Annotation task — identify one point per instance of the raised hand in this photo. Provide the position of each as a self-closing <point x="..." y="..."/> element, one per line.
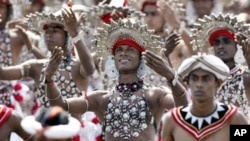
<point x="70" y="21"/>
<point x="23" y="34"/>
<point x="14" y="23"/>
<point x="158" y="64"/>
<point x="54" y="61"/>
<point x="245" y="43"/>
<point x="169" y="13"/>
<point x="172" y="41"/>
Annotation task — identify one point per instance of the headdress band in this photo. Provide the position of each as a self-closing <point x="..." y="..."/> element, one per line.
<point x="54" y="25"/>
<point x="146" y="3"/>
<point x="221" y="32"/>
<point x="127" y="42"/>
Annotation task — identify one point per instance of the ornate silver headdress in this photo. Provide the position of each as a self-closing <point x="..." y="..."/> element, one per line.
<point x="36" y="21"/>
<point x="107" y="36"/>
<point x="95" y="13"/>
<point x="204" y="27"/>
<point x="124" y="29"/>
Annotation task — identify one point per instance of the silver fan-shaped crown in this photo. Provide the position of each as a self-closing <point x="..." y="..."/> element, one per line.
<point x="106" y="36"/>
<point x="204" y="27"/>
<point x="36" y="21"/>
<point x="94" y="13"/>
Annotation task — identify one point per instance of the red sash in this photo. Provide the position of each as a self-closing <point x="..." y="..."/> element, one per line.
<point x="203" y="126"/>
<point x="5" y="113"/>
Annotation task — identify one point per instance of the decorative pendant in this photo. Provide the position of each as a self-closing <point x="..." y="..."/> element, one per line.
<point x="127" y="114"/>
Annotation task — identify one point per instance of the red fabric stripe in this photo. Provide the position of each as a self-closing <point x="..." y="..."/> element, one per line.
<point x="222" y="32"/>
<point x="127" y="42"/>
<point x="106" y="18"/>
<point x="146" y="3"/>
<point x="54" y="25"/>
<point x="5" y="113"/>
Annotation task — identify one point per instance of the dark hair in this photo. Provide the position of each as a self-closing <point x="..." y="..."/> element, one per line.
<point x="46" y="117"/>
<point x="9" y="12"/>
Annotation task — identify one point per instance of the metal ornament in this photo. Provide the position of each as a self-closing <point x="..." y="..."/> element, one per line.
<point x="110" y="68"/>
<point x="204" y="27"/>
<point x="128" y="28"/>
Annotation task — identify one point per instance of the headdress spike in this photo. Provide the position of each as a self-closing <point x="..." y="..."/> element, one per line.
<point x="128" y="28"/>
<point x="206" y="26"/>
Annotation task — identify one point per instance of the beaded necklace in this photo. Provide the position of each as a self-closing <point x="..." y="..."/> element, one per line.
<point x="127" y="114"/>
<point x="129" y="87"/>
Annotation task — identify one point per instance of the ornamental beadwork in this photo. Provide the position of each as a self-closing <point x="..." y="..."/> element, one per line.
<point x="35" y="21"/>
<point x="129" y="87"/>
<point x="94" y="14"/>
<point x="127" y="115"/>
<point x="200" y="123"/>
<point x="110" y="68"/>
<point x="203" y="28"/>
<point x="5" y="49"/>
<point x="233" y="91"/>
<point x="67" y="85"/>
<point x="201" y="127"/>
<point x="6" y="92"/>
